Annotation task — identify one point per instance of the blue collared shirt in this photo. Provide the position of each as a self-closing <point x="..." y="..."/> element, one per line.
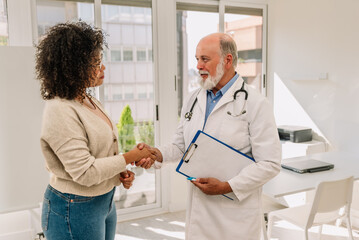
<point x="212" y="99"/>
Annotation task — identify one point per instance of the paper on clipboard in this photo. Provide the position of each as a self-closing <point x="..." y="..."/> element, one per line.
<point x="207" y="156"/>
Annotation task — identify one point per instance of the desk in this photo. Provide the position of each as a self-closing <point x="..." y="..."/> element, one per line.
<point x="288" y="182"/>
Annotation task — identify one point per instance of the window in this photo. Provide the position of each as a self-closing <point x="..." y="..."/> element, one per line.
<point x="116" y="92"/>
<point x="150" y="58"/>
<point x="141" y="55"/>
<point x="247" y="30"/>
<point x="4" y="36"/>
<point x="129" y="92"/>
<point x="125" y="9"/>
<point x="50" y="13"/>
<point x="127" y="88"/>
<point x="127" y="55"/>
<point x="106" y="92"/>
<point x="141" y="90"/>
<point x="245" y="25"/>
<point x="150" y="92"/>
<point x="112" y="13"/>
<point x="115" y="55"/>
<point x="189" y="31"/>
<point x="246" y="56"/>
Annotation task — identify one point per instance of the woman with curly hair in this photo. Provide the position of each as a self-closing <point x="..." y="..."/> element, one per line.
<point x="78" y="140"/>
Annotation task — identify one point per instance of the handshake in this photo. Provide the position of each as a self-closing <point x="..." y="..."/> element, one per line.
<point x="143" y="156"/>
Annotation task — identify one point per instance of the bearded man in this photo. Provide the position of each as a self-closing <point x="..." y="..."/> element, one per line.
<point x="244" y="121"/>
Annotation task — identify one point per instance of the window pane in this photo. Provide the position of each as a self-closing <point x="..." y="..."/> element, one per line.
<point x="112" y="13"/>
<point x="150" y="55"/>
<point x="115" y="55"/>
<point x="125" y="9"/>
<point x="107" y="92"/>
<point x="129" y="82"/>
<point x="247" y="33"/>
<point x="141" y="55"/>
<point x="141" y="90"/>
<point x="4" y="36"/>
<point x="116" y="92"/>
<point x="127" y="55"/>
<point x="51" y="12"/>
<point x="129" y="92"/>
<point x="190" y="30"/>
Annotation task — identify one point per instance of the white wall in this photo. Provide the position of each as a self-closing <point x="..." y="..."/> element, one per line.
<point x="307" y="38"/>
<point x="23" y="175"/>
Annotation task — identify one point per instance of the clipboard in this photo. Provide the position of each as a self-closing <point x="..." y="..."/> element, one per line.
<point x="221" y="160"/>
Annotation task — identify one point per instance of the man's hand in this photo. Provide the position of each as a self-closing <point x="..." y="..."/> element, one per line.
<point x="212" y="186"/>
<point x="127" y="178"/>
<point x="148" y="162"/>
<point x="136" y="154"/>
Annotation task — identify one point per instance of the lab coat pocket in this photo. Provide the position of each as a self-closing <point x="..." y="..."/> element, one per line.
<point x="234" y="131"/>
<point x="251" y="202"/>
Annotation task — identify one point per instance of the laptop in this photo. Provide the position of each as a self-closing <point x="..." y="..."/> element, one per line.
<point x="307" y="166"/>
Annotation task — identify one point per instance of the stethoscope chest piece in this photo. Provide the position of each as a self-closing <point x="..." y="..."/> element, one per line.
<point x="243" y="111"/>
<point x="188" y="116"/>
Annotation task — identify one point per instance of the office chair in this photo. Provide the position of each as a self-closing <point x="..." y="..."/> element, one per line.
<point x="354" y="210"/>
<point x="330" y="197"/>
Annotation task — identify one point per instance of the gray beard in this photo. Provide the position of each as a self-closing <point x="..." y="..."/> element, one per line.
<point x="211" y="81"/>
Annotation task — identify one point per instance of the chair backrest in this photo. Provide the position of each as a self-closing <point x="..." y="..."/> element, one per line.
<point x="331" y="196"/>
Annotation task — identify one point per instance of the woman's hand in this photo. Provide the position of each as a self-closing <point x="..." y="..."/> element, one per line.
<point x="148" y="162"/>
<point x="137" y="154"/>
<point x="127" y="178"/>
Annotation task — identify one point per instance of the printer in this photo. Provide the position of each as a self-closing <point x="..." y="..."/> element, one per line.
<point x="295" y="133"/>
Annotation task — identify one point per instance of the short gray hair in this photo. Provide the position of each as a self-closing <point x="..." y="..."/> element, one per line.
<point x="228" y="46"/>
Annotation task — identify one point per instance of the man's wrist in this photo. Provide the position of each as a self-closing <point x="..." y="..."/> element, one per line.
<point x="159" y="155"/>
<point x="226" y="188"/>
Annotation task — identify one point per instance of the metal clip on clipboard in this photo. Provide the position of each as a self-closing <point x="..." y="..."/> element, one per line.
<point x="190" y="152"/>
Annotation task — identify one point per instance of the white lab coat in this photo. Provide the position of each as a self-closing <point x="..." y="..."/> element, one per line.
<point x="255" y="133"/>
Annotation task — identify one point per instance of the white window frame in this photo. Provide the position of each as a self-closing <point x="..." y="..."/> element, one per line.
<point x="157" y="207"/>
<point x="221" y="6"/>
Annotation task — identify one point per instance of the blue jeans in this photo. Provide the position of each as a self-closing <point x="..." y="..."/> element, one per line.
<point x="72" y="217"/>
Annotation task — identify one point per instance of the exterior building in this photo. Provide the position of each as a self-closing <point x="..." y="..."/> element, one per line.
<point x="247" y="33"/>
<point x="128" y="61"/>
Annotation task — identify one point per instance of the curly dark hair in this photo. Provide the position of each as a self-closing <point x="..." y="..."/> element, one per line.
<point x="65" y="59"/>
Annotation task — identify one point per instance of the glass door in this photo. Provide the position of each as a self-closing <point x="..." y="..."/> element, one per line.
<point x="128" y="92"/>
<point x="128" y="89"/>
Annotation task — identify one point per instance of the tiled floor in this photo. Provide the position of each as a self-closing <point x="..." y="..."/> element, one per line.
<point x="170" y="226"/>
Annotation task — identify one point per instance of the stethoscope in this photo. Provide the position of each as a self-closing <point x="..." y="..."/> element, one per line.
<point x="189" y="114"/>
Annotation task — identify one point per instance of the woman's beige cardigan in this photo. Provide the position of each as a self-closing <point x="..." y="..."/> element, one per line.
<point x="80" y="149"/>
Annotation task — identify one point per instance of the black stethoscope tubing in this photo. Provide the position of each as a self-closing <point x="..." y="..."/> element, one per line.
<point x="189" y="114"/>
